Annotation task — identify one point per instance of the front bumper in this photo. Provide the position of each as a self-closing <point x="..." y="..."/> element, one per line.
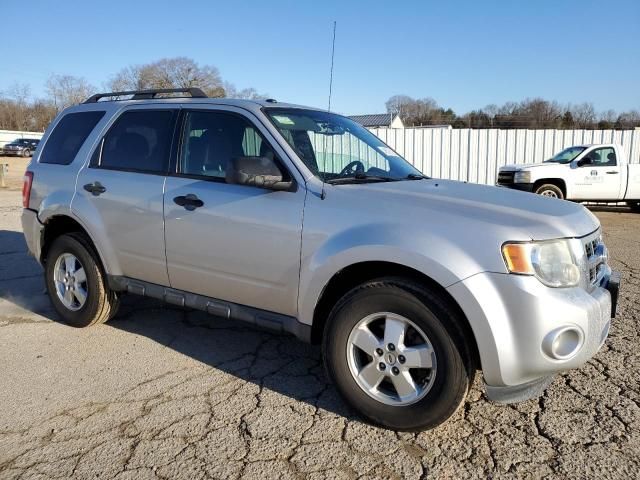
<point x="523" y="187"/>
<point x="8" y="153"/>
<point x="527" y="332"/>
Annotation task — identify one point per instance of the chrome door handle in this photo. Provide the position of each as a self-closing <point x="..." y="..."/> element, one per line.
<point x="612" y="172"/>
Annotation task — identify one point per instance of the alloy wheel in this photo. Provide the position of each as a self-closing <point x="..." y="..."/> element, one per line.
<point x="391" y="359"/>
<point x="70" y="281"/>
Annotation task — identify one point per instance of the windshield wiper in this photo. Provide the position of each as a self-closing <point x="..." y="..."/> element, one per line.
<point x="416" y="176"/>
<point x="360" y="178"/>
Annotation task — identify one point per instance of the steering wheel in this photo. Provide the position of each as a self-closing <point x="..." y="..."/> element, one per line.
<point x="352" y="168"/>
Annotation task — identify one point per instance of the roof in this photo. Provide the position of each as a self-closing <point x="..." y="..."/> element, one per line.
<point x="373" y="120"/>
<point x="247" y="104"/>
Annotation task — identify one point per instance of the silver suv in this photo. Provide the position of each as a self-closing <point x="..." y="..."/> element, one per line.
<point x="302" y="221"/>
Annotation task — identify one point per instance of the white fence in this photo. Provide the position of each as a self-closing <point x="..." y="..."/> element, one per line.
<point x="475" y="155"/>
<point x="7" y="136"/>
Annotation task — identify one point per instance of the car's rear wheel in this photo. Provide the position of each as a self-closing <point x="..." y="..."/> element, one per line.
<point x="26" y="152"/>
<point x="634" y="205"/>
<point x="393" y="352"/>
<point x="76" y="282"/>
<point x="550" y="190"/>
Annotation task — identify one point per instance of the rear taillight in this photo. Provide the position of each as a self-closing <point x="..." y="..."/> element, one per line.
<point x="26" y="188"/>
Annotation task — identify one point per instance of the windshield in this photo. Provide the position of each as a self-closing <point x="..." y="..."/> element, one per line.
<point x="336" y="148"/>
<point x="566" y="155"/>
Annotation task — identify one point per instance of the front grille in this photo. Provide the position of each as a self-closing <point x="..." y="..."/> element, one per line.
<point x="596" y="257"/>
<point x="505" y="178"/>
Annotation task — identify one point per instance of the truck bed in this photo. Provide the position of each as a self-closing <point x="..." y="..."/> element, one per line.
<point x="633" y="182"/>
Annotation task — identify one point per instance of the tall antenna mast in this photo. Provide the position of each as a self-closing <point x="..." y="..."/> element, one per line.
<point x="333" y="50"/>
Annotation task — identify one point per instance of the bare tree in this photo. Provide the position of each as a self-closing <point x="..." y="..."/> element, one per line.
<point x="249" y="93"/>
<point x="178" y="72"/>
<point x="15" y="107"/>
<point x="398" y="104"/>
<point x="421" y="111"/>
<point x="584" y="115"/>
<point x="67" y="90"/>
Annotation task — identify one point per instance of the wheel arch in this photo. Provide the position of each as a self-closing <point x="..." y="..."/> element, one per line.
<point x="558" y="182"/>
<point x="58" y="225"/>
<point x="356" y="274"/>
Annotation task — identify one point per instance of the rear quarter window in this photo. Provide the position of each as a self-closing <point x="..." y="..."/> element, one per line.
<point x="68" y="136"/>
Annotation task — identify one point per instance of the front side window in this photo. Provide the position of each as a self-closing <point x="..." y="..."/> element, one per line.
<point x="336" y="148"/>
<point x="212" y="139"/>
<point x="602" y="157"/>
<point x="139" y="140"/>
<point x="68" y="136"/>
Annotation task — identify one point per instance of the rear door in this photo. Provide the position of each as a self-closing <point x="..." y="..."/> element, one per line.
<point x="236" y="243"/>
<point x="120" y="193"/>
<point x="599" y="179"/>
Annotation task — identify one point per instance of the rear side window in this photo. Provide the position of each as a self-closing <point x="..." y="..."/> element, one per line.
<point x="68" y="136"/>
<point x="139" y="141"/>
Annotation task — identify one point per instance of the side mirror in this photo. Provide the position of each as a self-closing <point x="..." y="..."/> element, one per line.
<point x="260" y="172"/>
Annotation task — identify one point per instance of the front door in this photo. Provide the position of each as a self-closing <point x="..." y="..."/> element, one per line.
<point x="120" y="192"/>
<point x="231" y="242"/>
<point x="600" y="178"/>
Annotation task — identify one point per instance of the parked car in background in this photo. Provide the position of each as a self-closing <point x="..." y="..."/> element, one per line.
<point x="23" y="147"/>
<point x="582" y="173"/>
<point x="243" y="209"/>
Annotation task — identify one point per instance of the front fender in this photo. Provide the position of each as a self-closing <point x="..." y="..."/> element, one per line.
<point x="447" y="264"/>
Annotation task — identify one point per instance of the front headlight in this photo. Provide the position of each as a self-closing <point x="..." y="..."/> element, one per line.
<point x="522" y="177"/>
<point x="551" y="262"/>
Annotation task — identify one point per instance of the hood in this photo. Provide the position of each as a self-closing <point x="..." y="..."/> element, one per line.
<point x="521" y="166"/>
<point x="510" y="213"/>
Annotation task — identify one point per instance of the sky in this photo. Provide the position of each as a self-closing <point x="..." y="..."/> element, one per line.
<point x="464" y="54"/>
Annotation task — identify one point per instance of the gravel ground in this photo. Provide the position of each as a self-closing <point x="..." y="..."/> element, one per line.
<point x="166" y="393"/>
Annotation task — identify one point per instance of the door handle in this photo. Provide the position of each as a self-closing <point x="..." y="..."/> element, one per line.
<point x="95" y="188"/>
<point x="612" y="172"/>
<point x="189" y="202"/>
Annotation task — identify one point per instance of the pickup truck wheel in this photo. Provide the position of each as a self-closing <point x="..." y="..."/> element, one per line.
<point x="550" y="190"/>
<point x="76" y="283"/>
<point x="392" y="352"/>
<point x="634" y="205"/>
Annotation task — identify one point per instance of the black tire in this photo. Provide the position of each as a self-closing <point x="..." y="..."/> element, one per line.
<point x="454" y="374"/>
<point x="550" y="190"/>
<point x="101" y="302"/>
<point x="634" y="205"/>
<point x="26" y="153"/>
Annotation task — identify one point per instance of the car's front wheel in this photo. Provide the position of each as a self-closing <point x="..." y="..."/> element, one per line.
<point x="391" y="348"/>
<point x="76" y="282"/>
<point x="549" y="190"/>
<point x="26" y="152"/>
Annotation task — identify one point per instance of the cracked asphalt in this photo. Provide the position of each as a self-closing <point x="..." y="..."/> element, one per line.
<point x="161" y="392"/>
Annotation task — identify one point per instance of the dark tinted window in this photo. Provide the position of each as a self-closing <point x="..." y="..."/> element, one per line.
<point x="212" y="139"/>
<point x="68" y="136"/>
<point x="139" y="140"/>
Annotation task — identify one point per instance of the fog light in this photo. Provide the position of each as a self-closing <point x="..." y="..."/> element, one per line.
<point x="563" y="343"/>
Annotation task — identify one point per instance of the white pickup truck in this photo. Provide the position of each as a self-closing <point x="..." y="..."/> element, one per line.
<point x="582" y="173"/>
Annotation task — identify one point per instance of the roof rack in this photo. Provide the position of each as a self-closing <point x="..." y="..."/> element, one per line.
<point x="148" y="94"/>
